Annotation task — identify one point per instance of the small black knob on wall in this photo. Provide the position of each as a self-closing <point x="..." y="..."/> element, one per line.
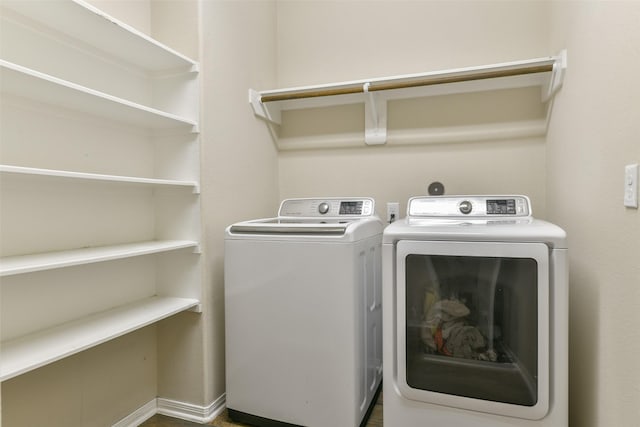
<point x="436" y="189"/>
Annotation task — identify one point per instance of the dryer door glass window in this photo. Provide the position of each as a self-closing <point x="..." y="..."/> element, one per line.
<point x="472" y="324"/>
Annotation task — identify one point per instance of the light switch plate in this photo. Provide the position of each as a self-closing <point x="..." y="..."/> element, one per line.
<point x="631" y="186"/>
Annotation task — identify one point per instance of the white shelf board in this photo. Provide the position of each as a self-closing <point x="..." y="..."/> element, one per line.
<point x="24" y="82"/>
<point x="54" y="173"/>
<point x="471" y="79"/>
<point x="32" y="351"/>
<point x="22" y="264"/>
<point x="544" y="72"/>
<point x="89" y="25"/>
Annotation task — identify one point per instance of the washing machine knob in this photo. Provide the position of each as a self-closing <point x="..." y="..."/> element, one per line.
<point x="465" y="207"/>
<point x="323" y="208"/>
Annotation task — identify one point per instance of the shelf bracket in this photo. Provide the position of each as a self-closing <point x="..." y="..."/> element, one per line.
<point x="261" y="110"/>
<point x="375" y="118"/>
<point x="557" y="75"/>
<point x="196" y="308"/>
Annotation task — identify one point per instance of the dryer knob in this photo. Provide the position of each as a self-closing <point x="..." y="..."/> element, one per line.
<point x="465" y="207"/>
<point x="323" y="208"/>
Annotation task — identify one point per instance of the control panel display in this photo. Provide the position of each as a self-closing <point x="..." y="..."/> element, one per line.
<point x="501" y="207"/>
<point x="469" y="206"/>
<point x="350" y="208"/>
<point x="327" y="207"/>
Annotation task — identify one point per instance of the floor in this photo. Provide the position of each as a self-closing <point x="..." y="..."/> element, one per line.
<point x="375" y="420"/>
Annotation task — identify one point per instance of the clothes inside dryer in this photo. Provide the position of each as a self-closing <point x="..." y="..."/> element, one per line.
<point x="471" y="327"/>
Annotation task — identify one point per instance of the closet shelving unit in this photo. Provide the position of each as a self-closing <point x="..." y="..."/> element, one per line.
<point x="66" y="64"/>
<point x="545" y="73"/>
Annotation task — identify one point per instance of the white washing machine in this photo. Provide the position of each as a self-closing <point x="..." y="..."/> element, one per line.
<point x="303" y="314"/>
<point x="475" y="315"/>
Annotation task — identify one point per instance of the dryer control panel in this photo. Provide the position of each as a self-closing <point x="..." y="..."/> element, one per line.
<point x="469" y="206"/>
<point x="327" y="207"/>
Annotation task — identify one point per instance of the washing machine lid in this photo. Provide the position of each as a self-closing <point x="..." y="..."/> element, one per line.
<point x="328" y="216"/>
<point x="291" y="226"/>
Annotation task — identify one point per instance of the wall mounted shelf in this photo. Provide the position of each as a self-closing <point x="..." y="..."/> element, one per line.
<point x="24" y="82"/>
<point x="22" y="264"/>
<point x="546" y="73"/>
<point x="32" y="351"/>
<point x="82" y="21"/>
<point x="62" y="174"/>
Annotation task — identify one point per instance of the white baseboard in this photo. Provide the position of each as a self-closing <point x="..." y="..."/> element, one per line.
<point x="139" y="416"/>
<point x="191" y="412"/>
<point x="176" y="409"/>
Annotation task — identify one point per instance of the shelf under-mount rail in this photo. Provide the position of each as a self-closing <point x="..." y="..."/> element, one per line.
<point x="547" y="73"/>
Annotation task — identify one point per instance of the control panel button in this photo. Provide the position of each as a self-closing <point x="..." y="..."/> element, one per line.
<point x="323" y="208"/>
<point x="465" y="207"/>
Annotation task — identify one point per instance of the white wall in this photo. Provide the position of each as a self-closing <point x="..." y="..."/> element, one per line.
<point x="594" y="132"/>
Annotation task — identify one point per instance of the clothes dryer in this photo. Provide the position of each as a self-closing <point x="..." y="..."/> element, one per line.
<point x="303" y="314"/>
<point x="475" y="326"/>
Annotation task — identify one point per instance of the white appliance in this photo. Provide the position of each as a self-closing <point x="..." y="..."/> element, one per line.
<point x="475" y="326"/>
<point x="303" y="314"/>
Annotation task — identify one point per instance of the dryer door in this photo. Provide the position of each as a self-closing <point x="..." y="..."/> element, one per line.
<point x="473" y="325"/>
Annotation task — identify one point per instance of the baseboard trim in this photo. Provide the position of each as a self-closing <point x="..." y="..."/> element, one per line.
<point x="174" y="408"/>
<point x="189" y="411"/>
<point x="138" y="416"/>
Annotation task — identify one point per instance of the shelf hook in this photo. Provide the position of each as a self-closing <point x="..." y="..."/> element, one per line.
<point x="372" y="103"/>
<point x="375" y="120"/>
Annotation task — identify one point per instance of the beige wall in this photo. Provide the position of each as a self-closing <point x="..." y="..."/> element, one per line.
<point x="328" y="41"/>
<point x="594" y="132"/>
<point x="239" y="160"/>
<point x="335" y="40"/>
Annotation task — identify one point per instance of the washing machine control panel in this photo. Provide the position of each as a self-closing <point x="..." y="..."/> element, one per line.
<point x="469" y="206"/>
<point x="328" y="207"/>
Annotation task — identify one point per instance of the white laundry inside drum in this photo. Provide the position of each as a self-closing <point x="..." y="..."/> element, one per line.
<point x="461" y="340"/>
